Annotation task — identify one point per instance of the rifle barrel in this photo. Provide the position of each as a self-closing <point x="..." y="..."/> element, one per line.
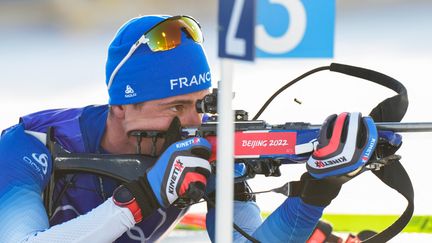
<point x="400" y="126"/>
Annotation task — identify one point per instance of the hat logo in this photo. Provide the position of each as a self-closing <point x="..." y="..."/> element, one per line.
<point x="129" y="92"/>
<point x="195" y="80"/>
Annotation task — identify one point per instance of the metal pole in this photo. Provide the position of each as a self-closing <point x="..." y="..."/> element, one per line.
<point x="225" y="156"/>
<point x="399" y="127"/>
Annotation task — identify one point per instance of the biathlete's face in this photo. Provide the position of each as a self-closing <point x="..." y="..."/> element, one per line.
<point x="156" y="115"/>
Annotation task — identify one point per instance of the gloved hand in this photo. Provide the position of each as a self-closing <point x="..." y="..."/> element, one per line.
<point x="345" y="144"/>
<point x="180" y="173"/>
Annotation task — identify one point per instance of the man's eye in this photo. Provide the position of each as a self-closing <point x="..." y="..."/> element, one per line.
<point x="177" y="108"/>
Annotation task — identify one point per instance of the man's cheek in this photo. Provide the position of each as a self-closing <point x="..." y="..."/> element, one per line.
<point x="147" y="124"/>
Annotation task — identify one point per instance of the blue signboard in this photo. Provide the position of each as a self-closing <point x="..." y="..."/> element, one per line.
<point x="295" y="28"/>
<point x="283" y="28"/>
<point x="237" y="29"/>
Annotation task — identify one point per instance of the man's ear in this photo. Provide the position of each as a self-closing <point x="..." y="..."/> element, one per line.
<point x="118" y="111"/>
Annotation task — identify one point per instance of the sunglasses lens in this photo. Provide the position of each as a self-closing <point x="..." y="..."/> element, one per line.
<point x="167" y="35"/>
<point x="193" y="29"/>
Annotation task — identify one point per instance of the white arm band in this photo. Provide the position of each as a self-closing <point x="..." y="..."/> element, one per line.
<point x="105" y="223"/>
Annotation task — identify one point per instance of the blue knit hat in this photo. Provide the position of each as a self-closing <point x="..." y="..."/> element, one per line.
<point x="148" y="75"/>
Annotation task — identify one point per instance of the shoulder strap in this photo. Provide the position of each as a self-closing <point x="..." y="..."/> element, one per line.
<point x="393" y="174"/>
<point x="391" y="109"/>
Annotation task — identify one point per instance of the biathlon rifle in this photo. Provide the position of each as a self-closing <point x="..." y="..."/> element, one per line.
<point x="263" y="147"/>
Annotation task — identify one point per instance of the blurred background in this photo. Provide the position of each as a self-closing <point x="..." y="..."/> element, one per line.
<point x="53" y="53"/>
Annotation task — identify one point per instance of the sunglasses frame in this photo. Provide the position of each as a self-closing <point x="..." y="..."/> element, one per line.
<point x="144" y="40"/>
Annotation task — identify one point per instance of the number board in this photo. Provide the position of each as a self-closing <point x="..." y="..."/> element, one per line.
<point x="236" y="29"/>
<point x="283" y="28"/>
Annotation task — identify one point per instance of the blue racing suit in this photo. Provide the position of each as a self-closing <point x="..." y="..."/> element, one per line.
<point x="26" y="167"/>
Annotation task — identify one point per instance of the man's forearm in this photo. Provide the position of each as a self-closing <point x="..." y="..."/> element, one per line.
<point x="105" y="223"/>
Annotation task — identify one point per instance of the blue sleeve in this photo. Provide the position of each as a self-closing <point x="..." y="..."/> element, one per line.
<point x="246" y="215"/>
<point x="293" y="221"/>
<point x="25" y="170"/>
